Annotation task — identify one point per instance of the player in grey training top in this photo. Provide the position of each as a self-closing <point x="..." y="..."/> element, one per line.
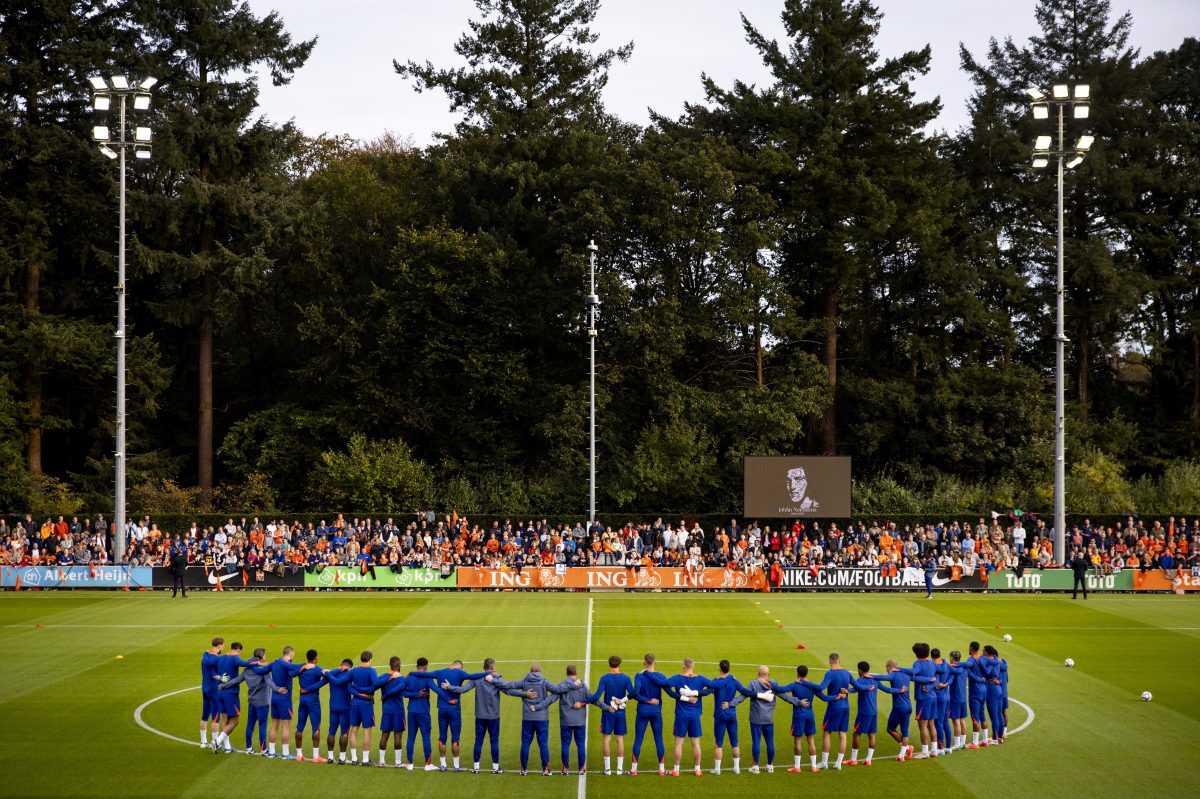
<point x="487" y="712"/>
<point x="571" y="695"/>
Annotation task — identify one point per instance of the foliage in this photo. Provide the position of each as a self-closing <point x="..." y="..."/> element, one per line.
<point x="371" y="476"/>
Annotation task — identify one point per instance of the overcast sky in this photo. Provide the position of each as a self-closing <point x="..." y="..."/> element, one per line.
<point x="349" y="86"/>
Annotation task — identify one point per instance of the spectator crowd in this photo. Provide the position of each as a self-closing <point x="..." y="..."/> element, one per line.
<point x="453" y="541"/>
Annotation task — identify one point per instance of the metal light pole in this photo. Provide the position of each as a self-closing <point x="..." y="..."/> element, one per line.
<point x="104" y="91"/>
<point x="1079" y="101"/>
<point x="593" y="306"/>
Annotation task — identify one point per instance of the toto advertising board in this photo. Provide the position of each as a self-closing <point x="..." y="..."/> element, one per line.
<point x="796" y="487"/>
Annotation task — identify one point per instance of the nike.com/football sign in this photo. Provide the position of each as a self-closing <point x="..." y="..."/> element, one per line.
<point x="796" y="487"/>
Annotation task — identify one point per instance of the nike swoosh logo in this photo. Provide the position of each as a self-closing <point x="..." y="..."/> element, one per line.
<point x="213" y="579"/>
<point x="940" y="580"/>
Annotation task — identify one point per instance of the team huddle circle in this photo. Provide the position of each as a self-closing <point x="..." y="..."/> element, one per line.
<point x="958" y="703"/>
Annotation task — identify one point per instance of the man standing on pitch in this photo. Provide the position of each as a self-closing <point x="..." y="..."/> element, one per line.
<point x="534" y="688"/>
<point x="487" y="713"/>
<point x="689" y="710"/>
<point x="572" y="697"/>
<point x="611" y="695"/>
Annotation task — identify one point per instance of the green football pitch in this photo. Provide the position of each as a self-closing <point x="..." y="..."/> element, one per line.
<point x="98" y="692"/>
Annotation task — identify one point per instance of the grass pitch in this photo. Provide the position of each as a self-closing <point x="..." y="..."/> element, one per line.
<point x="68" y="702"/>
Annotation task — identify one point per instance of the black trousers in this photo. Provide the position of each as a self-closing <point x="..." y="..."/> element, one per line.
<point x="1079" y="581"/>
<point x="177" y="584"/>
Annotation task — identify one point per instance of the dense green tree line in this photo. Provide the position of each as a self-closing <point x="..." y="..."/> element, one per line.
<point x="797" y="266"/>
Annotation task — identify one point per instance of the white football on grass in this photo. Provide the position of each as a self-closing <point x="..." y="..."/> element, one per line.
<point x="1147" y="696"/>
<point x="1007" y="638"/>
<point x="1068" y="663"/>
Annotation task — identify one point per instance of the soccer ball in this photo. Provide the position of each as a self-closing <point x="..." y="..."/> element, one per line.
<point x="1068" y="663"/>
<point x="1147" y="696"/>
<point x="1007" y="638"/>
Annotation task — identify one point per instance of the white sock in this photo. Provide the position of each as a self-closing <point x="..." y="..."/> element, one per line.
<point x="799" y="760"/>
<point x="271" y="748"/>
<point x="813" y="760"/>
<point x="737" y="763"/>
<point x="443" y="761"/>
<point x="316" y="752"/>
<point x="204" y="736"/>
<point x="824" y="759"/>
<point x="353" y="755"/>
<point x="839" y="760"/>
<point x="662" y="766"/>
<point x="382" y="756"/>
<point x="456" y="761"/>
<point x="717" y="767"/>
<point x="399" y="758"/>
<point x="924" y="749"/>
<point x="342" y="757"/>
<point x="495" y="767"/>
<point x="870" y="754"/>
<point x="854" y="754"/>
<point x="975" y="737"/>
<point x="287" y="750"/>
<point x="607" y="764"/>
<point x="476" y="766"/>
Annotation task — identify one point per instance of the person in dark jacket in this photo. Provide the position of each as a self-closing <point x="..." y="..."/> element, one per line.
<point x="178" y="567"/>
<point x="1079" y="565"/>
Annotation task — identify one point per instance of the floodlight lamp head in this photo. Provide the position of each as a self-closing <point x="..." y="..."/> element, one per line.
<point x="1083" y="91"/>
<point x="100" y="133"/>
<point x="1041" y="162"/>
<point x="108" y="151"/>
<point x="141" y="102"/>
<point x="1074" y="162"/>
<point x="147" y="84"/>
<point x="1035" y="93"/>
<point x="1081" y="111"/>
<point x="1085" y="143"/>
<point x="1042" y="143"/>
<point x="98" y="83"/>
<point x="141" y="134"/>
<point x="101" y="102"/>
<point x="119" y="82"/>
<point x="142" y="151"/>
<point x="1061" y="91"/>
<point x="1041" y="111"/>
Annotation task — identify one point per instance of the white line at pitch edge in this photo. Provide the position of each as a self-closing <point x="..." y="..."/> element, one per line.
<point x="587" y="671"/>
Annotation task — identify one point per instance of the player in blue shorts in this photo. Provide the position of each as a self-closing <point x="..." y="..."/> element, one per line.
<point x="612" y="692"/>
<point x="834" y="689"/>
<point x="995" y="691"/>
<point x="689" y="709"/>
<point x="229" y="703"/>
<point x="1004" y="693"/>
<point x="364" y="681"/>
<point x="339" y="710"/>
<point x="941" y="695"/>
<point x="282" y="672"/>
<point x="419" y="719"/>
<point x="800" y="696"/>
<point x="901" y="715"/>
<point x="977" y="697"/>
<point x="259" y="687"/>
<point x="958" y="699"/>
<point x="391" y="719"/>
<point x="727" y="694"/>
<point x="310" y="678"/>
<point x="649" y="714"/>
<point x="449" y="708"/>
<point x="487" y="714"/>
<point x="866" y="720"/>
<point x="924" y="676"/>
<point x="209" y="712"/>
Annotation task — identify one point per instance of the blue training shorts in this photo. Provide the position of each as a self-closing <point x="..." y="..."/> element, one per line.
<point x="308" y="712"/>
<point x="229" y="703"/>
<point x="687" y="726"/>
<point x="866" y="725"/>
<point x="978" y="709"/>
<point x="449" y="721"/>
<point x="391" y="721"/>
<point x="898" y="720"/>
<point x="958" y="710"/>
<point x="339" y="721"/>
<point x="209" y="708"/>
<point x="362" y="714"/>
<point x="721" y="726"/>
<point x="804" y="725"/>
<point x="281" y="707"/>
<point x="836" y="720"/>
<point x="613" y="724"/>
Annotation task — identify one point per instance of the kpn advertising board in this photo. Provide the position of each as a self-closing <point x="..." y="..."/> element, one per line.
<point x="793" y="486"/>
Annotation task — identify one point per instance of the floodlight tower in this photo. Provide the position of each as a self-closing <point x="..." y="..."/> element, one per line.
<point x="593" y="307"/>
<point x="113" y="144"/>
<point x="1078" y="100"/>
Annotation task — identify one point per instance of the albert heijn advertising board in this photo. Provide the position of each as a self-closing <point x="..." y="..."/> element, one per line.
<point x="90" y="576"/>
<point x="611" y="577"/>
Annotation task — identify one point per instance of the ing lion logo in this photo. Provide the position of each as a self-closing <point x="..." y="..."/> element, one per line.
<point x="646" y="579"/>
<point x="550" y="578"/>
